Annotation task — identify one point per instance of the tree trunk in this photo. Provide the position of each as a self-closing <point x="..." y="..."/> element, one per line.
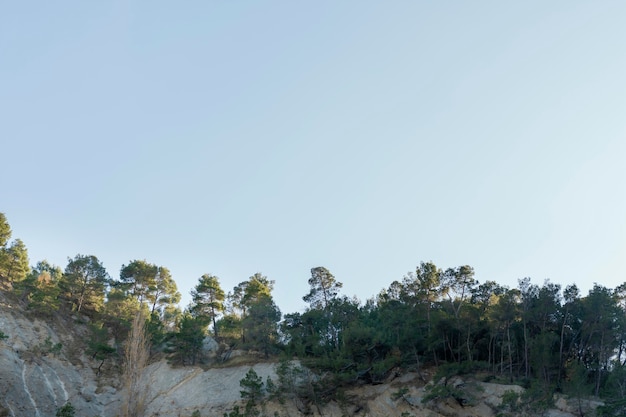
<point x="508" y="336"/>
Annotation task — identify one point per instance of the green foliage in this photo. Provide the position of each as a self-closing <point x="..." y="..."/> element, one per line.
<point x="249" y="292"/>
<point x="208" y="300"/>
<point x="5" y="230"/>
<point x="614" y="392"/>
<point x="538" y="335"/>
<point x="150" y="285"/>
<point x="3" y="336"/>
<point x="261" y="325"/>
<point x="84" y="283"/>
<point x="436" y="392"/>
<point x="273" y="391"/>
<point x="230" y="328"/>
<point x="196" y="413"/>
<point x="614" y="407"/>
<point x="324" y="288"/>
<point x="98" y="344"/>
<point x="47" y="347"/>
<point x="41" y="288"/>
<point x="400" y="393"/>
<point x="186" y="344"/>
<point x="235" y="412"/>
<point x="510" y="401"/>
<point x="538" y="398"/>
<point x="66" y="410"/>
<point x="14" y="266"/>
<point x="252" y="388"/>
<point x="447" y="386"/>
<point x="50" y="347"/>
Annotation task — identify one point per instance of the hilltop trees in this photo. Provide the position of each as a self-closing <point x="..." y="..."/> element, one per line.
<point x="255" y="293"/>
<point x="543" y="336"/>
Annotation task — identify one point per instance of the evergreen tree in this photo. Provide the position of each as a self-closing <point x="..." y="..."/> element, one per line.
<point x="324" y="288"/>
<point x="208" y="300"/>
<point x="84" y="282"/>
<point x="261" y="325"/>
<point x="187" y="342"/>
<point x="41" y="288"/>
<point x="5" y="231"/>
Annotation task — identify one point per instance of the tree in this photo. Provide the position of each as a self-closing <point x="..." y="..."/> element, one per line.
<point x="98" y="344"/>
<point x="252" y="391"/>
<point x="208" y="299"/>
<point x="571" y="295"/>
<point x="84" y="282"/>
<point x="187" y="342"/>
<point x="541" y="316"/>
<point x="246" y="294"/>
<point x="324" y="288"/>
<point x="163" y="293"/>
<point x="260" y="325"/>
<point x="5" y="231"/>
<point x="457" y="284"/>
<point x="600" y="322"/>
<point x="505" y="312"/>
<point x="420" y="291"/>
<point x="152" y="286"/>
<point x="119" y="312"/>
<point x="528" y="293"/>
<point x="14" y="262"/>
<point x="138" y="279"/>
<point x="136" y="355"/>
<point x="41" y="287"/>
<point x="324" y="291"/>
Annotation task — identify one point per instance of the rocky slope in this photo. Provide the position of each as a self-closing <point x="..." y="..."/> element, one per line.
<point x="42" y="366"/>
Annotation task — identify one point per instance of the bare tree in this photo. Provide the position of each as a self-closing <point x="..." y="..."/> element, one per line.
<point x="136" y="358"/>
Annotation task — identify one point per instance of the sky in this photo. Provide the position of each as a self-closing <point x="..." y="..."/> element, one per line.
<point x="235" y="137"/>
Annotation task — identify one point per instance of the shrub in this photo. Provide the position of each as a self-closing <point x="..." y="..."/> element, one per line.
<point x="66" y="411"/>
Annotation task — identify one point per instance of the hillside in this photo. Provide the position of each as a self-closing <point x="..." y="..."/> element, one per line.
<point x="43" y="366"/>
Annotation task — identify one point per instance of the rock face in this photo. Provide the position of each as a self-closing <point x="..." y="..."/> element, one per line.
<point x="43" y="366"/>
<point x="36" y="376"/>
<point x="181" y="391"/>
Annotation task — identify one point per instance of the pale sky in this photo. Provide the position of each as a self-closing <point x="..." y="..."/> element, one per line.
<point x="234" y="137"/>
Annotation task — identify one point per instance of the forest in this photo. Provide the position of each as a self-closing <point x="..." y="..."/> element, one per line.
<point x="544" y="337"/>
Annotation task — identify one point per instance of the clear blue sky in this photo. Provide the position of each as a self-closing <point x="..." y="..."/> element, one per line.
<point x="234" y="137"/>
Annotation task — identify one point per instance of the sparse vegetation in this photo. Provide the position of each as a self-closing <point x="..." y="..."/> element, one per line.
<point x="47" y="347"/>
<point x="66" y="410"/>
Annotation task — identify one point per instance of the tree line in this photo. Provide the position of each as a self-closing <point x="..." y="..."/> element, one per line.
<point x="544" y="336"/>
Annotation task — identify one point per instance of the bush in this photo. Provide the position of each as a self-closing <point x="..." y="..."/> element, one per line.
<point x="399" y="394"/>
<point x="66" y="411"/>
<point x="510" y="401"/>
